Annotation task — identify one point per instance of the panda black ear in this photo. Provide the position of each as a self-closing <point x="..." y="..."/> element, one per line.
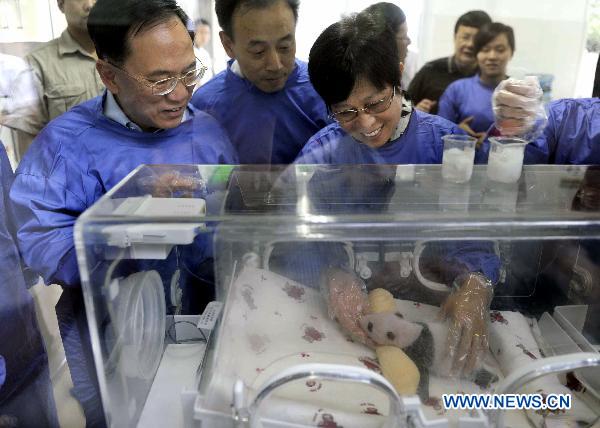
<point x="390" y="335"/>
<point x="370" y="327"/>
<point x="399" y="315"/>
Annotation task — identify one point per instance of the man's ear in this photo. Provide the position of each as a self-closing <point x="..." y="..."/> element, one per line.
<point x="61" y="5"/>
<point x="108" y="75"/>
<point x="227" y="44"/>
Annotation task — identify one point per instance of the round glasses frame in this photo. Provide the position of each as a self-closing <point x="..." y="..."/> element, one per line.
<point x="168" y="85"/>
<point x="376" y="107"/>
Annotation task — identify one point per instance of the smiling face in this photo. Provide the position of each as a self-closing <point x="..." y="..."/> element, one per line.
<point x="373" y="130"/>
<point x="464" y="53"/>
<point x="158" y="52"/>
<point x="494" y="56"/>
<point x="264" y="44"/>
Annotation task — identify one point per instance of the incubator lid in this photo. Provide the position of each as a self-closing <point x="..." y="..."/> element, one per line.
<point x="415" y="195"/>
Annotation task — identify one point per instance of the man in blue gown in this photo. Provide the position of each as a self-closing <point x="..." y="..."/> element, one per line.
<point x="264" y="99"/>
<point x="146" y="60"/>
<point x="26" y="397"/>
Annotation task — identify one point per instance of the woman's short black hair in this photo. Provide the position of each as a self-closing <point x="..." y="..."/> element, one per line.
<point x="489" y="32"/>
<point x="226" y="8"/>
<point x="360" y="46"/>
<point x="392" y="14"/>
<point x="112" y="23"/>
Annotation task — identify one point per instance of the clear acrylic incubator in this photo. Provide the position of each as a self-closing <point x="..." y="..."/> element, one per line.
<point x="251" y="296"/>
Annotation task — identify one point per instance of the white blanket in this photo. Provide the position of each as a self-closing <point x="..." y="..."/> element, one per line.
<point x="271" y="323"/>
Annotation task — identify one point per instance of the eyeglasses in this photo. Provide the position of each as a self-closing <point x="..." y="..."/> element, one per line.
<point x="371" y="108"/>
<point x="166" y="86"/>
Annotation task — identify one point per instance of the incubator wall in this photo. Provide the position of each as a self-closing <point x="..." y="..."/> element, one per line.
<point x="264" y="241"/>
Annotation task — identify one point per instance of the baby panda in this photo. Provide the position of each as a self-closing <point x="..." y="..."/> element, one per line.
<point x="423" y="342"/>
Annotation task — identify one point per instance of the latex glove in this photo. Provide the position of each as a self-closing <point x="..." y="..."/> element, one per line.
<point x="465" y="126"/>
<point x="467" y="310"/>
<point x="173" y="184"/>
<point x="426" y="105"/>
<point x="347" y="301"/>
<point x="518" y="107"/>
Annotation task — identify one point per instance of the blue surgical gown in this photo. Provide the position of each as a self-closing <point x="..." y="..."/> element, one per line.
<point x="572" y="135"/>
<point x="468" y="97"/>
<point x="26" y="390"/>
<point x="74" y="160"/>
<point x="264" y="127"/>
<point x="421" y="143"/>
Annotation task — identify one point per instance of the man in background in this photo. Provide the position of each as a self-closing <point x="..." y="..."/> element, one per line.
<point x="201" y="40"/>
<point x="65" y="68"/>
<point x="433" y="78"/>
<point x="264" y="99"/>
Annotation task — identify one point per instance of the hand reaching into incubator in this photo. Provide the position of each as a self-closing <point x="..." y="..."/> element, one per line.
<point x="518" y="107"/>
<point x="347" y="302"/>
<point x="467" y="310"/>
<point x="173" y="184"/>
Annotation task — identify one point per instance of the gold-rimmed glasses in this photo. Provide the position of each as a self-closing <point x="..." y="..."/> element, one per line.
<point x="372" y="108"/>
<point x="167" y="85"/>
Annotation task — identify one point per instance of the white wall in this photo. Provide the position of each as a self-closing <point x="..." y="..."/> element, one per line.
<point x="549" y="35"/>
<point x="30" y="20"/>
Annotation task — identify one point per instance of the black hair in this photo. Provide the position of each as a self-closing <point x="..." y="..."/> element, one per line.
<point x="111" y="23"/>
<point x="226" y="8"/>
<point x="201" y="21"/>
<point x="489" y="32"/>
<point x="392" y="14"/>
<point x="359" y="46"/>
<point x="473" y="18"/>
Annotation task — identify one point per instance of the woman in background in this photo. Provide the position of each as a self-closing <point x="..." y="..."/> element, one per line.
<point x="468" y="102"/>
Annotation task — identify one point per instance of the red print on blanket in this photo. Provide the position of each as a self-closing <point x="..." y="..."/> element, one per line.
<point x="248" y="297"/>
<point x="293" y="291"/>
<point x="371" y="364"/>
<point x="327" y="421"/>
<point x="526" y="351"/>
<point x="313" y="385"/>
<point x="311" y="334"/>
<point x="369" y="409"/>
<point x="496" y="316"/>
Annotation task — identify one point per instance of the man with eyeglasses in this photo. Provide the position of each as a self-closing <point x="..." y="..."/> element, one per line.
<point x="146" y="60"/>
<point x="264" y="98"/>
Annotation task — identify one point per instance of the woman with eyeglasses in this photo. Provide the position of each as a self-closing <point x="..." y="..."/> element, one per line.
<point x="355" y="67"/>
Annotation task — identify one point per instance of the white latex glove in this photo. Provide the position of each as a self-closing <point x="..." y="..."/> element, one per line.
<point x="518" y="107"/>
<point x="467" y="310"/>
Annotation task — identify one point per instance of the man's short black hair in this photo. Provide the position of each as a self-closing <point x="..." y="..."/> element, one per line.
<point x="489" y="32"/>
<point x="392" y="14"/>
<point x="112" y="23"/>
<point x="473" y="18"/>
<point x="226" y="8"/>
<point x="360" y="46"/>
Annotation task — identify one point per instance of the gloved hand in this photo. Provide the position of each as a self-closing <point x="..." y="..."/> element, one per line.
<point x="518" y="107"/>
<point x="347" y="301"/>
<point x="467" y="309"/>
